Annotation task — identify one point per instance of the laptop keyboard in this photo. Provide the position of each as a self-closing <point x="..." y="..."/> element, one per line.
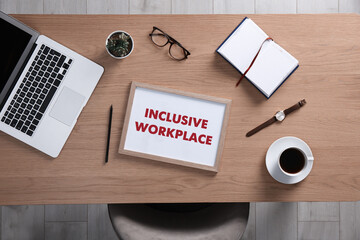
<point x="36" y="90"/>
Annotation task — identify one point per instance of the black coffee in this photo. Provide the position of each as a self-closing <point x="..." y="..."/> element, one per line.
<point x="292" y="160"/>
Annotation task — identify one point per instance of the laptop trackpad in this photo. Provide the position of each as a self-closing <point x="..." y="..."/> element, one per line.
<point x="67" y="106"/>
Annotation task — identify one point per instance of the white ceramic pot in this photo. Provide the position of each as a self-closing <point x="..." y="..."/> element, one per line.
<point x="118" y="32"/>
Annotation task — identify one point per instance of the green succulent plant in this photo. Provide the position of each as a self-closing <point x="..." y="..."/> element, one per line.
<point x="119" y="44"/>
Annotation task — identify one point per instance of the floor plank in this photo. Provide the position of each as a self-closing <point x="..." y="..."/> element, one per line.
<point x="23" y="222"/>
<point x="108" y="7"/>
<point x="349" y="6"/>
<point x="250" y="231"/>
<point x="0" y="220"/>
<point x="22" y="6"/>
<point x="318" y="231"/>
<point x="275" y="6"/>
<point x="349" y="220"/>
<point x="69" y="212"/>
<point x="66" y="231"/>
<point x="99" y="224"/>
<point x="150" y="7"/>
<point x="272" y="216"/>
<point x="318" y="6"/>
<point x="234" y="6"/>
<point x="318" y="211"/>
<point x="192" y="7"/>
<point x="64" y="6"/>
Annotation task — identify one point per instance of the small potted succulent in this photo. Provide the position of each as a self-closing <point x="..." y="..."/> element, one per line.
<point x="119" y="44"/>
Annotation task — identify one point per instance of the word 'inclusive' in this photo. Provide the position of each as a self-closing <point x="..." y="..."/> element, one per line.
<point x="172" y="132"/>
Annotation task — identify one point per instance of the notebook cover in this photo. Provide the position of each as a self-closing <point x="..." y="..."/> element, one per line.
<point x="242" y="73"/>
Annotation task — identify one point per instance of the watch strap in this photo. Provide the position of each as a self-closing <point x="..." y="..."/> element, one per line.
<point x="294" y="107"/>
<point x="261" y="126"/>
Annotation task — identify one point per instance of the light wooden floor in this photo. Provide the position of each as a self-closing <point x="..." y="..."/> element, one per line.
<point x="178" y="6"/>
<point x="268" y="221"/>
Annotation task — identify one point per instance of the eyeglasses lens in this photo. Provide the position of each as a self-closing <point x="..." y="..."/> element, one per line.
<point x="177" y="52"/>
<point x="159" y="38"/>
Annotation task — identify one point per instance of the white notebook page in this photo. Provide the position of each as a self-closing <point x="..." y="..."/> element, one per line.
<point x="242" y="46"/>
<point x="272" y="65"/>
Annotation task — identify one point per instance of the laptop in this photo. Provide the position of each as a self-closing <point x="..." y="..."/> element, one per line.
<point x="43" y="86"/>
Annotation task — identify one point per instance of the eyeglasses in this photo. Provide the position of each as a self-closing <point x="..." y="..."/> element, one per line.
<point x="161" y="39"/>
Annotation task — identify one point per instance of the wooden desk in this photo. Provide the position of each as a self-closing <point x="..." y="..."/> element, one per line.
<point x="328" y="48"/>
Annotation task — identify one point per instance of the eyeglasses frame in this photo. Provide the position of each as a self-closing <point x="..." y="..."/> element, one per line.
<point x="170" y="40"/>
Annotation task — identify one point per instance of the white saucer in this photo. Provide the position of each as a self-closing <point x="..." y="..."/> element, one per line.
<point x="273" y="166"/>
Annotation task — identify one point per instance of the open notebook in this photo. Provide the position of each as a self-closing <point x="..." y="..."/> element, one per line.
<point x="272" y="66"/>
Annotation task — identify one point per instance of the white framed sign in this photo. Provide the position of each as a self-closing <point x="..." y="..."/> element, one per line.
<point x="174" y="126"/>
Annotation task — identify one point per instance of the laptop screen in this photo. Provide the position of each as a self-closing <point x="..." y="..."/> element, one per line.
<point x="13" y="43"/>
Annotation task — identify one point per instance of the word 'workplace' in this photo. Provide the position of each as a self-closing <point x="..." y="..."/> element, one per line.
<point x="171" y="132"/>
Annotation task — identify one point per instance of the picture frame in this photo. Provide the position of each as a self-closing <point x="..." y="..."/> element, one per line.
<point x="174" y="126"/>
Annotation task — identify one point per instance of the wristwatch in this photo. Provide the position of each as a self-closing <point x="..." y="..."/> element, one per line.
<point x="279" y="116"/>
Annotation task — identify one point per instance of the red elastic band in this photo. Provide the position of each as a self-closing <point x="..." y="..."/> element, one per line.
<point x="237" y="84"/>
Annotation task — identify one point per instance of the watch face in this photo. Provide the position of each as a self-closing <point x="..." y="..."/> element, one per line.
<point x="280" y="116"/>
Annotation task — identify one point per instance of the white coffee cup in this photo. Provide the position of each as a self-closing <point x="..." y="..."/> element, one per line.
<point x="279" y="160"/>
<point x="293" y="160"/>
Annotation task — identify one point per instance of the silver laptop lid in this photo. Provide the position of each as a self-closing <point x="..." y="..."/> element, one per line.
<point x="17" y="43"/>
